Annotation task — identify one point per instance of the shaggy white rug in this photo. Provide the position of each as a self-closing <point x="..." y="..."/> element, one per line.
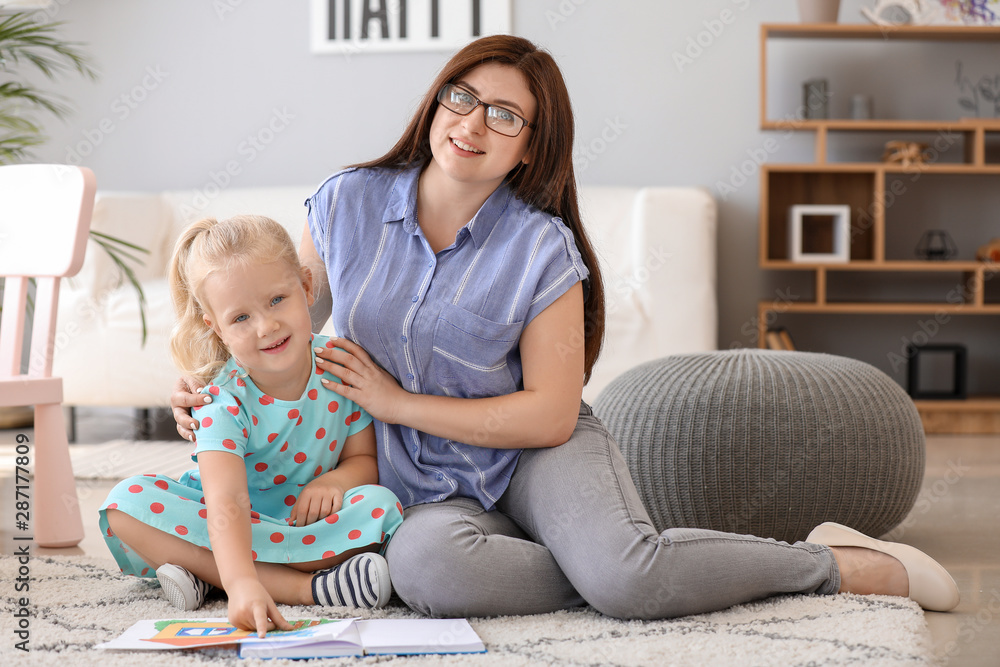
<point x="77" y="602"/>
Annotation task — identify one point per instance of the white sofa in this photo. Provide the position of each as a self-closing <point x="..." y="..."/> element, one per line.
<point x="657" y="248"/>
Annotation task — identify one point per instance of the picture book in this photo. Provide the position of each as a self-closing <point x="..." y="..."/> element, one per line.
<point x="309" y="638"/>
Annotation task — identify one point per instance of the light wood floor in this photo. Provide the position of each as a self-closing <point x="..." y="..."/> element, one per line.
<point x="956" y="520"/>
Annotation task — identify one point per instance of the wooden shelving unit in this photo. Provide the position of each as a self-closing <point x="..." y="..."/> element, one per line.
<point x="862" y="186"/>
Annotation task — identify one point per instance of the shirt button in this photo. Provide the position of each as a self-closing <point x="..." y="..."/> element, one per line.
<point x="409" y="376"/>
<point x="440" y="477"/>
<point x="402" y="338"/>
<point x="414" y="299"/>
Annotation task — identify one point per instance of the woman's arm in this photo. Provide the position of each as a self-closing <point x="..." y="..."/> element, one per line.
<point x="322" y="306"/>
<point x="543" y="414"/>
<point x="325" y="495"/>
<point x="224" y="480"/>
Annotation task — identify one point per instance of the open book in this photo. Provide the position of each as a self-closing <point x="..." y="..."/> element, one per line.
<point x="310" y="638"/>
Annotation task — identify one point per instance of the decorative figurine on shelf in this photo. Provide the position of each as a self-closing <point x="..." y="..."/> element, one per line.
<point x="905" y="12"/>
<point x="906" y="153"/>
<point x="989" y="252"/>
<point x="935" y="244"/>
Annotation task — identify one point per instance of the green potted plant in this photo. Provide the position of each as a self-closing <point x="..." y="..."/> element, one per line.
<point x="27" y="44"/>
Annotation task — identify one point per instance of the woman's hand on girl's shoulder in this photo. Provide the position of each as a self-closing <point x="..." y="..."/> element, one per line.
<point x="184" y="398"/>
<point x="362" y="380"/>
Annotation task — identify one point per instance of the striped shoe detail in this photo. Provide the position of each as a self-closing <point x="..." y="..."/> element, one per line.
<point x="360" y="581"/>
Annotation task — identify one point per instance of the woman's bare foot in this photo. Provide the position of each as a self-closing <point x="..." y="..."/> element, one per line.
<point x="869" y="572"/>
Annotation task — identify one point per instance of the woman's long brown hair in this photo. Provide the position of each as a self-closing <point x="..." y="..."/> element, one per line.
<point x="547" y="181"/>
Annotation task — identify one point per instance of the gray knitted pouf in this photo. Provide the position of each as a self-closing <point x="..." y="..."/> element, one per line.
<point x="767" y="443"/>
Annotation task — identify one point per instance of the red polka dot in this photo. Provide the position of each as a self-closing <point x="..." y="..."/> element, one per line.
<point x="333" y="518"/>
<point x="289" y="500"/>
<point x="313" y="394"/>
<point x="240" y="382"/>
<point x="206" y="422"/>
<point x="357" y="499"/>
<point x="320" y="434"/>
<point x="254" y="520"/>
<point x="246" y="434"/>
<point x="228" y="444"/>
<point x="260" y="467"/>
<point x="233" y="410"/>
<point x="333" y="407"/>
<point x="308" y="539"/>
<point x="355" y="416"/>
<point x="110" y="534"/>
<point x="300" y="457"/>
<point x="213" y="390"/>
<point x="299" y="422"/>
<point x="181" y="530"/>
<point x="150" y="474"/>
<point x="162" y="483"/>
<point x="113" y="506"/>
<point x="156" y="508"/>
<point x="271" y="437"/>
<point x="135" y="488"/>
<point x="329" y="344"/>
<point x="238" y="401"/>
<point x="377" y="512"/>
<point x="329" y="554"/>
<point x="284" y="447"/>
<point x="280" y="479"/>
<point x="333" y="445"/>
<point x="254" y="554"/>
<point x="319" y="371"/>
<point x="265" y="400"/>
<point x="254" y="418"/>
<point x="203" y="514"/>
<point x="277" y="537"/>
<point x="254" y="514"/>
<point x="354" y="534"/>
<point x="399" y="507"/>
<point x="319" y="471"/>
<point x="293" y="413"/>
<point x="144" y="571"/>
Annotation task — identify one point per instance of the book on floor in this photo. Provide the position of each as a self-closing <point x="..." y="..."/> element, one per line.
<point x="310" y="638"/>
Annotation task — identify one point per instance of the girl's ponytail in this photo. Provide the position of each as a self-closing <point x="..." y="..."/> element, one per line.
<point x="196" y="350"/>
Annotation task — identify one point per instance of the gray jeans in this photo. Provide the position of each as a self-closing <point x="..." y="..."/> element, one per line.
<point x="571" y="530"/>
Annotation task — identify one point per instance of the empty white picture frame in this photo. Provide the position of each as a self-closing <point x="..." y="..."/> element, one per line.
<point x="837" y="216"/>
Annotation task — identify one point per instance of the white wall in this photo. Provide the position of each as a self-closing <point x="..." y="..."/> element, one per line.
<point x="185" y="85"/>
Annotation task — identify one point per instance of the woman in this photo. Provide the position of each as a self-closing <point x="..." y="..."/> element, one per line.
<point x="461" y="279"/>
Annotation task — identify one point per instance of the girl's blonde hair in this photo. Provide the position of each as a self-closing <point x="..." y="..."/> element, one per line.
<point x="206" y="247"/>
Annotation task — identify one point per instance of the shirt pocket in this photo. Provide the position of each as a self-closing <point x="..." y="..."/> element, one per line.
<point x="470" y="354"/>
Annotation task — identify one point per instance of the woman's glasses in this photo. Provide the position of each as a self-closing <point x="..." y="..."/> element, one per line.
<point x="503" y="121"/>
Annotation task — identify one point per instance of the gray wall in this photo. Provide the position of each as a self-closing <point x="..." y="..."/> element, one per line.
<point x="189" y="88"/>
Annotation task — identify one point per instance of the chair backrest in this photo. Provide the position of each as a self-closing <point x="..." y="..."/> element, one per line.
<point x="45" y="214"/>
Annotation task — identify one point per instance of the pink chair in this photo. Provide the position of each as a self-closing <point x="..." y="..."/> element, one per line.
<point x="44" y="221"/>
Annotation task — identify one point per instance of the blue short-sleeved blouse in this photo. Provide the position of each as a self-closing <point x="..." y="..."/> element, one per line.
<point x="446" y="324"/>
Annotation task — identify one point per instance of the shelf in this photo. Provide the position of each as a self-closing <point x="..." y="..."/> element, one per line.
<point x="942" y="33"/>
<point x="975" y="415"/>
<point x="889" y="265"/>
<point x="883" y="167"/>
<point x="881" y="308"/>
<point x="884" y="125"/>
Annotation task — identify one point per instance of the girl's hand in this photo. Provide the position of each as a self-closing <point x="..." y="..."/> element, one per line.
<point x="364" y="381"/>
<point x="184" y="398"/>
<point x="251" y="608"/>
<point x="319" y="499"/>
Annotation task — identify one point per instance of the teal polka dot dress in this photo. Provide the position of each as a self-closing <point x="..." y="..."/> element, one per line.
<point x="285" y="445"/>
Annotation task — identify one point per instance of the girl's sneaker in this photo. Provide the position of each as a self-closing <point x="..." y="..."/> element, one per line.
<point x="360" y="581"/>
<point x="181" y="588"/>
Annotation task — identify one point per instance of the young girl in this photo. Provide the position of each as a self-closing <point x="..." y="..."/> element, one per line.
<point x="285" y="484"/>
